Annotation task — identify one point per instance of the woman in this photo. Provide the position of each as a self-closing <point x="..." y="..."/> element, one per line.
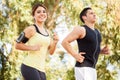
<point x="36" y="40"/>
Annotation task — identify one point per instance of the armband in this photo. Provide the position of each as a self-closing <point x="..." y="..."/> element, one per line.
<point x="22" y="38"/>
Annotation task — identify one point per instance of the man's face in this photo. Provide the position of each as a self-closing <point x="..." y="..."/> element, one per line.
<point x="90" y="16"/>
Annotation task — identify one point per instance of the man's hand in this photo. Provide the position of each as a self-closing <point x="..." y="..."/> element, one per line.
<point x="79" y="57"/>
<point x="105" y="50"/>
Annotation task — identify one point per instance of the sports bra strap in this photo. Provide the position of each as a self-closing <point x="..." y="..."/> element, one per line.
<point x="39" y="31"/>
<point x="36" y="28"/>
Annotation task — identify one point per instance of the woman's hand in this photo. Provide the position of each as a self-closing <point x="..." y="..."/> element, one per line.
<point x="53" y="43"/>
<point x="55" y="38"/>
<point x="36" y="47"/>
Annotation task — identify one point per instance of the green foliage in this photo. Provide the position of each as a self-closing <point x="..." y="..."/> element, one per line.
<point x="16" y="15"/>
<point x="59" y="70"/>
<point x="107" y="24"/>
<point x="70" y="74"/>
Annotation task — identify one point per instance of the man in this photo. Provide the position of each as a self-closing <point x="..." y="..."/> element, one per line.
<point x="88" y="40"/>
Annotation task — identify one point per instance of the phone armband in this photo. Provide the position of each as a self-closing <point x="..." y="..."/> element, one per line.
<point x="22" y="38"/>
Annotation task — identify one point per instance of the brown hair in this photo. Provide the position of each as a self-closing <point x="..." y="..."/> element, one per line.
<point x="36" y="6"/>
<point x="84" y="12"/>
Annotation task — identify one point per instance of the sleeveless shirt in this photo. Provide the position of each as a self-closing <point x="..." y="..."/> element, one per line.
<point x="90" y="44"/>
<point x="36" y="59"/>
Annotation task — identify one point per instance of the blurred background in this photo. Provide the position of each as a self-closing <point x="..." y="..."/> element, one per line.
<point x="63" y="16"/>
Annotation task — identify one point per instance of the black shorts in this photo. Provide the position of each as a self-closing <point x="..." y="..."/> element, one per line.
<point x="30" y="73"/>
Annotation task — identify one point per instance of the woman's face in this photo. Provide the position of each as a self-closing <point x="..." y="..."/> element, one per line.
<point x="40" y="14"/>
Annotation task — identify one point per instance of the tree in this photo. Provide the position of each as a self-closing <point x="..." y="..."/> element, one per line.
<point x="108" y="23"/>
<point x="15" y="16"/>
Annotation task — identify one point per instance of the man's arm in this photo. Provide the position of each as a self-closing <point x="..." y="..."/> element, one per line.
<point x="78" y="32"/>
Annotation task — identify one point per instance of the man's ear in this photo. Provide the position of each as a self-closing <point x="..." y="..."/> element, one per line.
<point x="84" y="18"/>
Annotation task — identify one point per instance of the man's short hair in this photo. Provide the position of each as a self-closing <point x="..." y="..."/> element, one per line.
<point x="83" y="13"/>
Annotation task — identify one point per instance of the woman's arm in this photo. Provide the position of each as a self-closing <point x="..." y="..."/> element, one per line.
<point x="22" y="46"/>
<point x="53" y="44"/>
<point x="28" y="33"/>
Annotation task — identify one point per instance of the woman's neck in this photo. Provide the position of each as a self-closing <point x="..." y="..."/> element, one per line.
<point x="40" y="25"/>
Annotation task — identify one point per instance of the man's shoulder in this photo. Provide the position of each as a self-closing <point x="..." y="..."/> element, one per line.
<point x="80" y="28"/>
